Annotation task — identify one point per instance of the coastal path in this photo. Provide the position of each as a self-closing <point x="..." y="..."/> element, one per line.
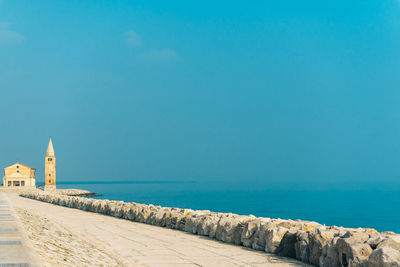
<point x="125" y="243"/>
<point x="15" y="248"/>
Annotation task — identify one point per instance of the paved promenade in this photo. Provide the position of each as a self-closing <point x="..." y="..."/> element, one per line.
<point x="136" y="244"/>
<point x="15" y="250"/>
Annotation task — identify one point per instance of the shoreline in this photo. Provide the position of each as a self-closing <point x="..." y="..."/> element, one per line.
<point x="306" y="241"/>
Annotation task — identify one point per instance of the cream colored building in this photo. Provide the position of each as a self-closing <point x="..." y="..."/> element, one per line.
<point x="19" y="175"/>
<point x="50" y="168"/>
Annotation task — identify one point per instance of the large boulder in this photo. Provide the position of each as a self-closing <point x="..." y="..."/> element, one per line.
<point x="330" y="254"/>
<point x="249" y="231"/>
<point x="190" y="225"/>
<point x="308" y="226"/>
<point x="157" y="218"/>
<point x="208" y="225"/>
<point x="273" y="237"/>
<point x="114" y="209"/>
<point x="384" y="257"/>
<point x="229" y="228"/>
<point x="223" y="223"/>
<point x="130" y="214"/>
<point x="181" y="223"/>
<point x="202" y="223"/>
<point x="375" y="241"/>
<point x="301" y="246"/>
<point x="287" y="246"/>
<point x="390" y="242"/>
<point x="143" y="213"/>
<point x="286" y="223"/>
<point x="171" y="220"/>
<point x="358" y="235"/>
<point x="260" y="235"/>
<point x="318" y="238"/>
<point x="352" y="252"/>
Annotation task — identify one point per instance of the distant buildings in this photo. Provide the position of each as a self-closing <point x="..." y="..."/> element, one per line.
<point x="21" y="175"/>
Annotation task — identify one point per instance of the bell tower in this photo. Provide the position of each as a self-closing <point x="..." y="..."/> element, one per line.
<point x="50" y="168"/>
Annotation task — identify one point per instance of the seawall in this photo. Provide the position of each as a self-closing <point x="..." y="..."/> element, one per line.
<point x="306" y="241"/>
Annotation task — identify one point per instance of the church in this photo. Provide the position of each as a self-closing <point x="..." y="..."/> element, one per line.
<point x="21" y="175"/>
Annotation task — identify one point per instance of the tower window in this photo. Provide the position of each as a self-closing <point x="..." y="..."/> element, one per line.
<point x="49" y="174"/>
<point x="17" y="171"/>
<point x="49" y="159"/>
<point x="17" y="166"/>
<point x="49" y="181"/>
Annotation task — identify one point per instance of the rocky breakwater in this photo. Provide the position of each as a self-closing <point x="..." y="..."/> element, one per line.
<point x="306" y="241"/>
<point x="75" y="192"/>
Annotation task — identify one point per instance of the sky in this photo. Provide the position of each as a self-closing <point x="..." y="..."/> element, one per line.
<point x="254" y="92"/>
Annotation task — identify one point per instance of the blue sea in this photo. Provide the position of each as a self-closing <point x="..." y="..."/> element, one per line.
<point x="366" y="207"/>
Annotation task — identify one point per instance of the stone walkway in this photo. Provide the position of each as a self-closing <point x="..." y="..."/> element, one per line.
<point x="136" y="244"/>
<point x="15" y="250"/>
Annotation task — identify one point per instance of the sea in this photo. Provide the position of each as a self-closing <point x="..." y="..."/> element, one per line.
<point x="366" y="207"/>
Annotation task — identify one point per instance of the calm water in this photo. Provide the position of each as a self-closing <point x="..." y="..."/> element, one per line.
<point x="379" y="209"/>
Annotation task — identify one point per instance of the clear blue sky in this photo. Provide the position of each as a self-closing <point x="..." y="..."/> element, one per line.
<point x="287" y="91"/>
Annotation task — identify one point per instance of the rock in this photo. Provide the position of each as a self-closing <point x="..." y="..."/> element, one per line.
<point x="131" y="213"/>
<point x="190" y="224"/>
<point x="143" y="214"/>
<point x="181" y="222"/>
<point x="308" y="226"/>
<point x="384" y="257"/>
<point x="352" y="252"/>
<point x="287" y="246"/>
<point x="390" y="233"/>
<point x="166" y="218"/>
<point x="357" y="235"/>
<point x="371" y="231"/>
<point x="213" y="226"/>
<point x="259" y="235"/>
<point x="237" y="233"/>
<point x="373" y="242"/>
<point x="170" y="219"/>
<point x="390" y="242"/>
<point x="224" y="221"/>
<point x="125" y="211"/>
<point x="273" y="237"/>
<point x="330" y="254"/>
<point x="301" y="246"/>
<point x="286" y="223"/>
<point x="249" y="230"/>
<point x="208" y="225"/>
<point x="259" y="240"/>
<point x="171" y="222"/>
<point x="318" y="239"/>
<point x="157" y="217"/>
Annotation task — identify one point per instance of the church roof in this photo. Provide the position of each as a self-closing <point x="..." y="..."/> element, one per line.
<point x="50" y="149"/>
<point x="20" y="164"/>
<point x="25" y="165"/>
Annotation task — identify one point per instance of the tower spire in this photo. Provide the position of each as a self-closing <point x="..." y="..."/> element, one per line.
<point x="50" y="168"/>
<point x="50" y="149"/>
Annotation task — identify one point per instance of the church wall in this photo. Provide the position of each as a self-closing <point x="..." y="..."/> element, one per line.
<point x="24" y="171"/>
